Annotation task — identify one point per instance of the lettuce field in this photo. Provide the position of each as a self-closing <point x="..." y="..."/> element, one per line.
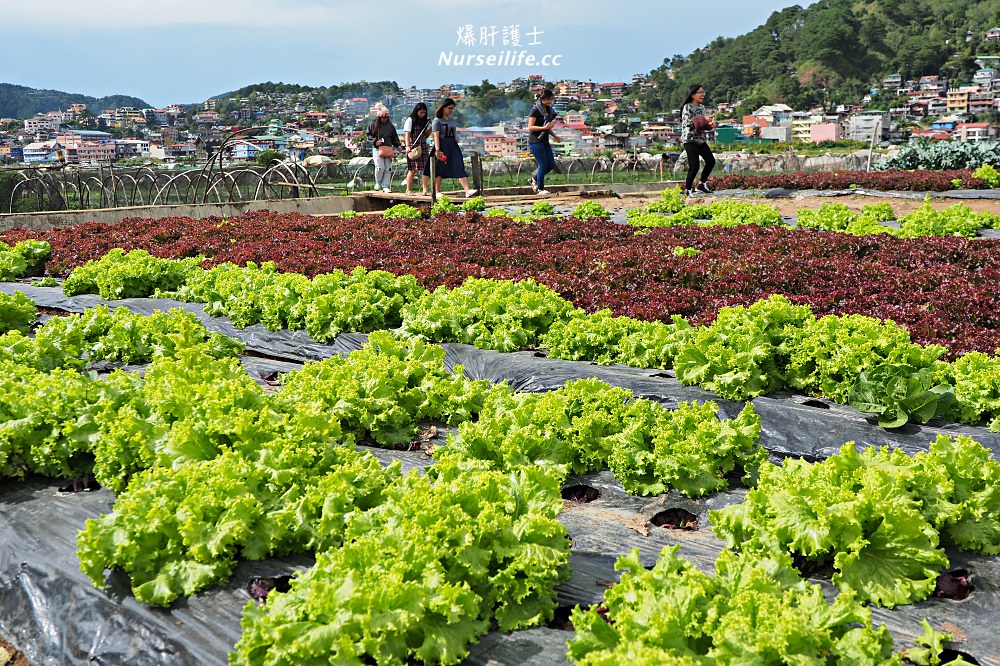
<point x="703" y="436"/>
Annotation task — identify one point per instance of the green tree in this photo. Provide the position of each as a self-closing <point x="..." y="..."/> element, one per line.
<point x="269" y="157"/>
<point x="837" y="49"/>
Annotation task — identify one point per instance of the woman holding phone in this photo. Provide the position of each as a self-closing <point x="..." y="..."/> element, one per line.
<point x="447" y="152"/>
<point x="540" y="123"/>
<point x="695" y="128"/>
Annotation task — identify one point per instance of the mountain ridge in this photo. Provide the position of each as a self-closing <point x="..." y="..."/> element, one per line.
<point x="833" y="51"/>
<point x="18" y="101"/>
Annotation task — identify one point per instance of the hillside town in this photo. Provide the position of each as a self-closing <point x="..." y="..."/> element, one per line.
<point x="594" y="119"/>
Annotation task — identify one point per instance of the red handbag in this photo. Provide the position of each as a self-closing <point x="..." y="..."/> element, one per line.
<point x="386" y="151"/>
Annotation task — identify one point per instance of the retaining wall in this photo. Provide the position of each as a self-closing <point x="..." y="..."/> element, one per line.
<point x="331" y="205"/>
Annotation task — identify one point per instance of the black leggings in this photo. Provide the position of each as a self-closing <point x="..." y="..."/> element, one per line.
<point x="695" y="150"/>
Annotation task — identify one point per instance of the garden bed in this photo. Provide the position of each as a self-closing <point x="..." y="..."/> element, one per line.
<point x="210" y="469"/>
<point x="943" y="290"/>
<point x="48" y="606"/>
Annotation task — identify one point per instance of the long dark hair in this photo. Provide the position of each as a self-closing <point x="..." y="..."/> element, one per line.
<point x="444" y="104"/>
<point x="416" y="110"/>
<point x="692" y="89"/>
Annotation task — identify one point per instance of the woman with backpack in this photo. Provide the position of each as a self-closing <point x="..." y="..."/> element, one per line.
<point x="695" y="128"/>
<point x="416" y="130"/>
<point x="540" y="123"/>
<point x="385" y="142"/>
<point x="447" y="151"/>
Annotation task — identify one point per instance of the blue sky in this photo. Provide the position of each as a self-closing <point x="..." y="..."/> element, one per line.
<point x="168" y="51"/>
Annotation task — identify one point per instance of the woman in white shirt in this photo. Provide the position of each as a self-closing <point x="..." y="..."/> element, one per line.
<point x="416" y="131"/>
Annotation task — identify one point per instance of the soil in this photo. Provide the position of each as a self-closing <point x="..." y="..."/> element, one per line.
<point x="55" y="312"/>
<point x="790" y="206"/>
<point x="17" y="657"/>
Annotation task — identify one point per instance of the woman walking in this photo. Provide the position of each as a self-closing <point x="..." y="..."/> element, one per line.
<point x="540" y="124"/>
<point x="385" y="143"/>
<point x="447" y="151"/>
<point x="695" y="127"/>
<point x="416" y="130"/>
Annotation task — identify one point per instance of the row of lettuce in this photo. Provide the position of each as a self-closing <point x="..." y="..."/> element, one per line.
<point x="674" y="209"/>
<point x="746" y="352"/>
<point x="209" y="468"/>
<point x="62" y="420"/>
<point x="957" y="220"/>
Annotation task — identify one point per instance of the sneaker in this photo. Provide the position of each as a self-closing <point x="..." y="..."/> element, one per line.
<point x="543" y="193"/>
<point x="534" y="185"/>
<point x="689" y="193"/>
<point x="387" y="190"/>
<point x="470" y="193"/>
<point x="702" y="187"/>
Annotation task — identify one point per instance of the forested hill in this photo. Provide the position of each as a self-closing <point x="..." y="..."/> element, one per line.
<point x="833" y="50"/>
<point x="317" y="96"/>
<point x="23" y="102"/>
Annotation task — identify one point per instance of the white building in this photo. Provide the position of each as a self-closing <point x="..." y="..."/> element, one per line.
<point x="41" y="124"/>
<point x="863" y="127"/>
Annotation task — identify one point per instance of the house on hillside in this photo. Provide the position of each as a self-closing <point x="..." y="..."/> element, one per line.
<point x="937" y="106"/>
<point x="752" y="125"/>
<point x="931" y="134"/>
<point x="933" y="83"/>
<point x="70" y="138"/>
<point x="917" y="108"/>
<point x="993" y="35"/>
<point x="774" y="114"/>
<point x="958" y="98"/>
<point x="41" y="124"/>
<point x="44" y="152"/>
<point x="892" y="81"/>
<point x="975" y="132"/>
<point x="357" y="106"/>
<point x="617" y="141"/>
<point x="615" y="89"/>
<point x="498" y="145"/>
<point x="576" y="121"/>
<point x="819" y="132"/>
<point x="314" y="118"/>
<point x="866" y="127"/>
<point x="802" y="123"/>
<point x="243" y="151"/>
<point x="91" y="152"/>
<point x="126" y="148"/>
<point x="982" y="102"/>
<point x="948" y="123"/>
<point x="590" y="142"/>
<point x="660" y="134"/>
<point x="13" y="152"/>
<point x="985" y="77"/>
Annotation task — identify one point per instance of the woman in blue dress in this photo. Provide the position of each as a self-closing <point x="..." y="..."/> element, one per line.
<point x="447" y="152"/>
